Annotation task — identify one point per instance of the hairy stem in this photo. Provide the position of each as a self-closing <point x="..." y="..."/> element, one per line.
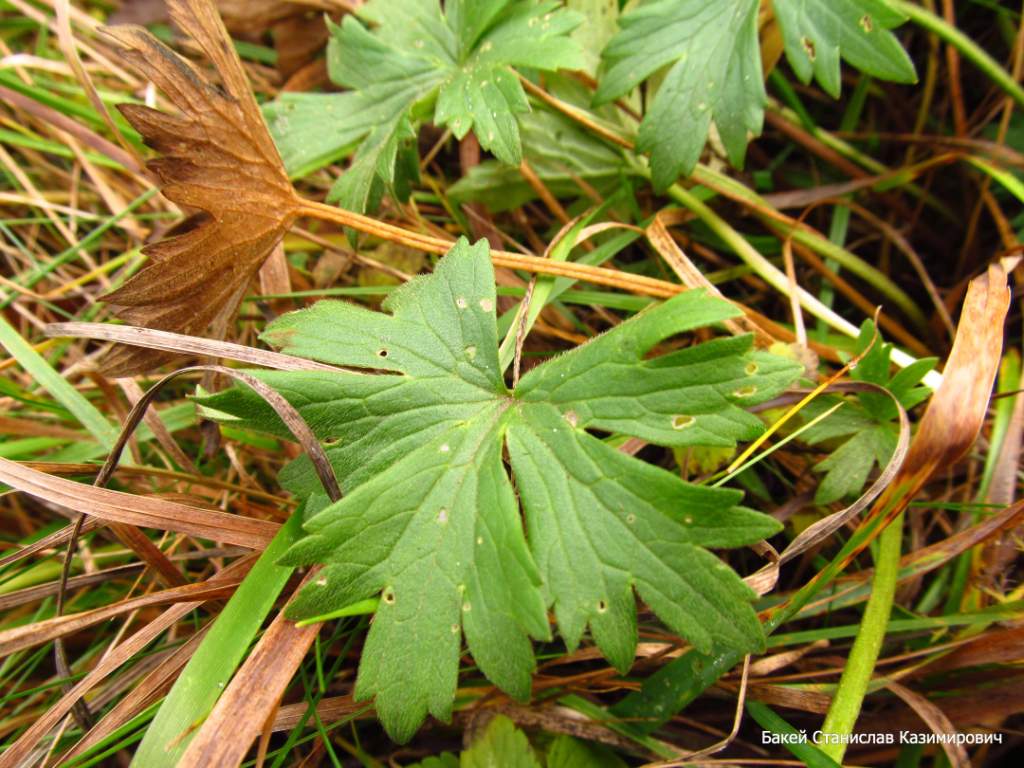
<point x="646" y="286"/>
<point x="853" y="685"/>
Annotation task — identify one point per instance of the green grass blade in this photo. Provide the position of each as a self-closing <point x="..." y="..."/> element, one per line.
<point x="40" y="370"/>
<point x="204" y="677"/>
<point x="803" y="750"/>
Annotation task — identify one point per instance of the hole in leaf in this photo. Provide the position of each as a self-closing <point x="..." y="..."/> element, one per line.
<point x="809" y="49"/>
<point x="389" y="596"/>
<point x="382" y="352"/>
<point x="866" y="23"/>
<point x="602" y="606"/>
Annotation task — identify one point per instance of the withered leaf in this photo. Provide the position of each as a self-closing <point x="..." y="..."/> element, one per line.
<point x="216" y="159"/>
<point x="257" y="16"/>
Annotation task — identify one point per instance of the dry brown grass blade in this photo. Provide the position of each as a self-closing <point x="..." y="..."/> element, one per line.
<point x="144" y="511"/>
<point x="658" y="235"/>
<point x="149" y="690"/>
<point x="284" y="410"/>
<point x="19" y="752"/>
<point x="981" y="706"/>
<point x="51" y="540"/>
<point x="1005" y="646"/>
<point x="252" y="695"/>
<point x="38" y="592"/>
<point x="330" y="709"/>
<point x="29" y="635"/>
<point x="927" y="559"/>
<point x="217" y="158"/>
<point x="191" y="345"/>
<point x="956" y="412"/>
<point x="936" y="720"/>
<point x="161" y="433"/>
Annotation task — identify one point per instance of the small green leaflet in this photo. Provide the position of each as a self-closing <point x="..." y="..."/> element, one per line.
<point x="817" y="32"/>
<point x="415" y="62"/>
<point x="501" y="745"/>
<point x="866" y="426"/>
<point x="431" y="521"/>
<point x="715" y="74"/>
<point x="714" y="67"/>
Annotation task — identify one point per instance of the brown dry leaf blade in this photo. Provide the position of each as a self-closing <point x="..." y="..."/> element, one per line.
<point x="254" y="693"/>
<point x="153" y="686"/>
<point x="216" y="158"/>
<point x="18" y="752"/>
<point x="957" y="411"/>
<point x="29" y="635"/>
<point x="144" y="511"/>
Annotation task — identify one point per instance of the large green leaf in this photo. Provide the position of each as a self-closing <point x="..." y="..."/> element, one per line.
<point x="430" y="520"/>
<point x="714" y="73"/>
<point x="409" y="60"/>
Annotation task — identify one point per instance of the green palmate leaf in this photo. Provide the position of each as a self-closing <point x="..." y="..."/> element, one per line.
<point x="865" y="428"/>
<point x="714" y="75"/>
<point x="501" y="745"/>
<point x="409" y="60"/>
<point x="817" y="32"/>
<point x="431" y="522"/>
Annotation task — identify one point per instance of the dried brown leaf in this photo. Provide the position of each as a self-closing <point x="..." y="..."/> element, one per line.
<point x="956" y="412"/>
<point x="216" y="159"/>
